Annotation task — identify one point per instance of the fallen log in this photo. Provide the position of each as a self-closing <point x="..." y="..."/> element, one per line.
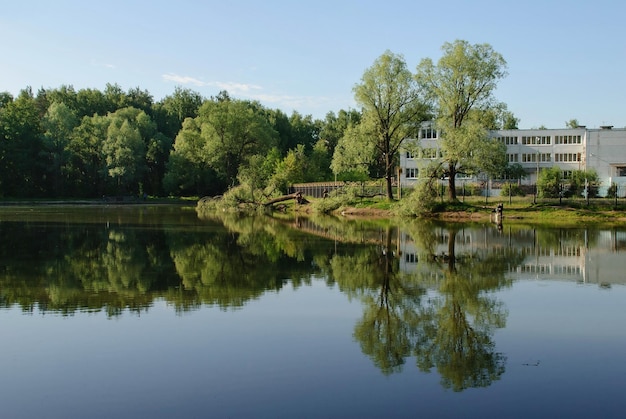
<point x="297" y="196"/>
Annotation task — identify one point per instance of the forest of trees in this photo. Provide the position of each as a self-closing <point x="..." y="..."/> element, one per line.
<point x="64" y="143"/>
<point x="90" y="143"/>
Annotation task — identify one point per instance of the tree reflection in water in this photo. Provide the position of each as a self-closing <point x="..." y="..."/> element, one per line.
<point x="451" y="330"/>
<point x="440" y="313"/>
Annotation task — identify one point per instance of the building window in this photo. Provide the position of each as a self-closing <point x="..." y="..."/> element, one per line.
<point x="410" y="257"/>
<point x="411" y="173"/>
<point x="429" y="153"/>
<point x="428" y="133"/>
<point x="535" y="157"/>
<point x="567" y="139"/>
<point x="567" y="157"/>
<point x="537" y="140"/>
<point x="410" y="155"/>
<point x="507" y="140"/>
<point x="512" y="158"/>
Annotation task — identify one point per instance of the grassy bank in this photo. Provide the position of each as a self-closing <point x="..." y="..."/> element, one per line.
<point x="516" y="210"/>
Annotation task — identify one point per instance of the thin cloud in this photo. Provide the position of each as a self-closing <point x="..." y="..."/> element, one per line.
<point x="105" y="65"/>
<point x="256" y="92"/>
<point x="183" y="79"/>
<point x="231" y="87"/>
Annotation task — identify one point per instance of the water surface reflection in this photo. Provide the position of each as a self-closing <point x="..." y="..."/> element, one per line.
<point x="430" y="295"/>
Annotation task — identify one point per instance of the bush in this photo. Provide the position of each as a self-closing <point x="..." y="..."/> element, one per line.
<point x="421" y="201"/>
<point x="511" y="189"/>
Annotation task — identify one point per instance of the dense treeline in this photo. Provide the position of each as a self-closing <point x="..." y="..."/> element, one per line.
<point x="90" y="143"/>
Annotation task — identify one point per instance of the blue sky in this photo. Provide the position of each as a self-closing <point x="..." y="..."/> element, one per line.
<point x="566" y="59"/>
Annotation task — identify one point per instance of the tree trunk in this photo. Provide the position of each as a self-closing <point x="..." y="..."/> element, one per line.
<point x="452" y="183"/>
<point x="388" y="176"/>
<point x="297" y="196"/>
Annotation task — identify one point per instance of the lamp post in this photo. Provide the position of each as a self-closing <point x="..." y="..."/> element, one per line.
<point x="537" y="180"/>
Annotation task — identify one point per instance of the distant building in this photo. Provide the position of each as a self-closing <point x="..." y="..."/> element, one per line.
<point x="602" y="149"/>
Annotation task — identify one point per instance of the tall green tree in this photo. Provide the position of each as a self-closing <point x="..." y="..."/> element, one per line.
<point x="572" y="123"/>
<point x="187" y="171"/>
<point x="232" y="132"/>
<point x="125" y="148"/>
<point x="392" y="106"/>
<point x="462" y="81"/>
<point x="58" y="124"/>
<point x="86" y="160"/>
<point x="20" y="144"/>
<point x="171" y="112"/>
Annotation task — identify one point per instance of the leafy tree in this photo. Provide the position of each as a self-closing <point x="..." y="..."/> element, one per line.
<point x="232" y="131"/>
<point x="5" y="99"/>
<point x="90" y="102"/>
<point x="334" y="126"/>
<point x="292" y="169"/>
<point x="498" y="117"/>
<point x="157" y="155"/>
<point x="86" y="165"/>
<point x="139" y="99"/>
<point x="549" y="184"/>
<point x="353" y="157"/>
<point x="64" y="94"/>
<point x="319" y="163"/>
<point x="187" y="171"/>
<point x="171" y="112"/>
<point x="304" y="130"/>
<point x="490" y="157"/>
<point x="125" y="148"/>
<point x="58" y="124"/>
<point x="514" y="171"/>
<point x="462" y="81"/>
<point x="256" y="176"/>
<point x="20" y="144"/>
<point x="392" y="107"/>
<point x="572" y="123"/>
<point x="581" y="179"/>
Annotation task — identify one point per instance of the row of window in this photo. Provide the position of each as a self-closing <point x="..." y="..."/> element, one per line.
<point x="536" y="157"/>
<point x="541" y="140"/>
<point x="424" y="153"/>
<point x="567" y="157"/>
<point x="567" y="139"/>
<point x="433" y="153"/>
<point x="428" y="133"/>
<point x="413" y="173"/>
<point x="535" y="139"/>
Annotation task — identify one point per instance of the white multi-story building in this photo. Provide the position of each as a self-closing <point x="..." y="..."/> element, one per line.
<point x="602" y="149"/>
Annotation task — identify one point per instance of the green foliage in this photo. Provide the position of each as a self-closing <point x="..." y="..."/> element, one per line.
<point x="511" y="189"/>
<point x="125" y="148"/>
<point x="514" y="171"/>
<point x="579" y="179"/>
<point x="462" y="85"/>
<point x="422" y="201"/>
<point x="393" y="107"/>
<point x="58" y="124"/>
<point x="231" y="132"/>
<point x="549" y="184"/>
<point x="20" y="145"/>
<point x="572" y="123"/>
<point x="330" y="204"/>
<point x="292" y="169"/>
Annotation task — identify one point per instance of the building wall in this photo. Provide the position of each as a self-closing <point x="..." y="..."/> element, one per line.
<point x="601" y="149"/>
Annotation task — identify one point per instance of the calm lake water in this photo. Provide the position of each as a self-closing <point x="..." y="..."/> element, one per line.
<point x="120" y="312"/>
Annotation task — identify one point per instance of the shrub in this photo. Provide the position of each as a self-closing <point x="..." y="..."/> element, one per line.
<point x="511" y="189"/>
<point x="421" y="201"/>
